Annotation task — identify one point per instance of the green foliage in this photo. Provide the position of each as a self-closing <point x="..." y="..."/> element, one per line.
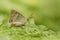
<point x="44" y="25"/>
<point x="28" y="32"/>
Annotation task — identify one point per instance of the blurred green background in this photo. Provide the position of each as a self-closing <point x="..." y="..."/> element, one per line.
<point x="44" y="12"/>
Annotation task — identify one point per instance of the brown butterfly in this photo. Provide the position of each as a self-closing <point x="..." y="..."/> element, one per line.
<point x="17" y="18"/>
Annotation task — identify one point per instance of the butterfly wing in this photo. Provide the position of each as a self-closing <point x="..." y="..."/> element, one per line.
<point x="17" y="19"/>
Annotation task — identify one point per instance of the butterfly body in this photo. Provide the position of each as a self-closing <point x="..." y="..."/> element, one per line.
<point x="17" y="19"/>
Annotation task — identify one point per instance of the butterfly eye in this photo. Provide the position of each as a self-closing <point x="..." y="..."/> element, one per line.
<point x="11" y="20"/>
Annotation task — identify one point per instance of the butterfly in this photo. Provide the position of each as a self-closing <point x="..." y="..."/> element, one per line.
<point x="17" y="18"/>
